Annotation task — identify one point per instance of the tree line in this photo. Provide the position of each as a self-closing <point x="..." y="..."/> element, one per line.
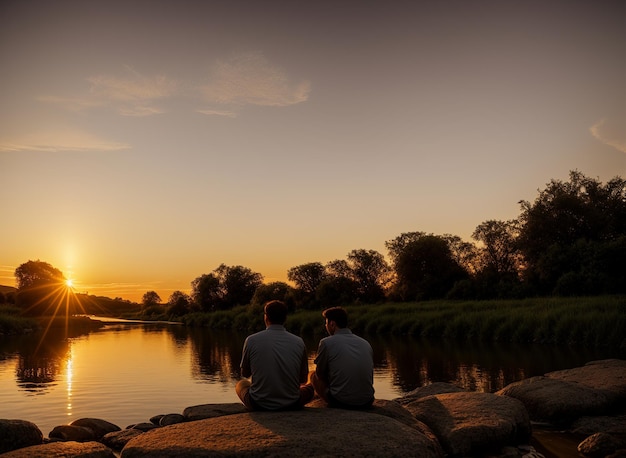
<point x="570" y="241"/>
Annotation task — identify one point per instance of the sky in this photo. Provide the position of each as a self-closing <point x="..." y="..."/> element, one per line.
<point x="144" y="143"/>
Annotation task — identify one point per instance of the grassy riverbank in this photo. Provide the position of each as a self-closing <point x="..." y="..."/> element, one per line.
<point x="12" y="323"/>
<point x="589" y="321"/>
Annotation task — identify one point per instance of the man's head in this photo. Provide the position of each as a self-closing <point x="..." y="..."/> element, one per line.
<point x="275" y="312"/>
<point x="336" y="318"/>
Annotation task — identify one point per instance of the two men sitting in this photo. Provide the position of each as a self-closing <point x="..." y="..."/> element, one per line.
<point x="275" y="361"/>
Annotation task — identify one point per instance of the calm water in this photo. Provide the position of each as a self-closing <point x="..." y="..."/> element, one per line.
<point x="125" y="373"/>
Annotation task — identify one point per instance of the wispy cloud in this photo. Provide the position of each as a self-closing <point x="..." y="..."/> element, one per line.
<point x="130" y="95"/>
<point x="73" y="103"/>
<point x="60" y="140"/>
<point x="225" y="113"/>
<point x="137" y="88"/>
<point x="250" y="79"/>
<point x="610" y="133"/>
<point x="140" y="111"/>
<point x="7" y="275"/>
<point x="247" y="79"/>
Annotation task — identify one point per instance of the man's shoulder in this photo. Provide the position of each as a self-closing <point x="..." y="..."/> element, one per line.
<point x="294" y="337"/>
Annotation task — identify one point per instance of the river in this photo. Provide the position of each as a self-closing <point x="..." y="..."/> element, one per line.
<point x="126" y="373"/>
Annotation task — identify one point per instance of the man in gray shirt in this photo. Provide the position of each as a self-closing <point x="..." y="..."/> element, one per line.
<point x="344" y="375"/>
<point x="276" y="362"/>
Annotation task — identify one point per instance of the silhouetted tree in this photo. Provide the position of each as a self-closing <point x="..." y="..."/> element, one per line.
<point x="225" y="287"/>
<point x="464" y="253"/>
<point x="205" y="292"/>
<point x="336" y="290"/>
<point x="571" y="230"/>
<point x="277" y="290"/>
<point x="307" y="277"/>
<point x="424" y="266"/>
<point x="178" y="304"/>
<point x="499" y="260"/>
<point x="150" y="298"/>
<point x="238" y="284"/>
<point x="42" y="290"/>
<point x="37" y="273"/>
<point x="370" y="272"/>
<point x="499" y="253"/>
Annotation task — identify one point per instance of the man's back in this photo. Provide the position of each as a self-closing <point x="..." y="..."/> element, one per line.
<point x="277" y="363"/>
<point x="346" y="361"/>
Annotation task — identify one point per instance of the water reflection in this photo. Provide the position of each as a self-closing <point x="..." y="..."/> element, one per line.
<point x="39" y="362"/>
<point x="69" y="377"/>
<point x="216" y="355"/>
<point x="475" y="366"/>
<point x="213" y="357"/>
<point x="41" y="357"/>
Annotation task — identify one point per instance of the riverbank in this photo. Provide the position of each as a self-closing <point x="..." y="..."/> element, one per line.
<point x="598" y="321"/>
<point x="13" y="323"/>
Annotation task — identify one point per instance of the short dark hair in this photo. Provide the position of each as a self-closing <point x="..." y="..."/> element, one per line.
<point x="338" y="315"/>
<point x="276" y="312"/>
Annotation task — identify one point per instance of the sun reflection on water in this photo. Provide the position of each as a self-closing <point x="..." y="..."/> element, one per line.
<point x="69" y="374"/>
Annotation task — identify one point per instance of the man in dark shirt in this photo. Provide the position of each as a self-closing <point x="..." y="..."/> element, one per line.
<point x="276" y="362"/>
<point x="344" y="375"/>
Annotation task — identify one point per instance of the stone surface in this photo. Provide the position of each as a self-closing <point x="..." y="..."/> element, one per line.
<point x="16" y="434"/>
<point x="608" y="376"/>
<point x="63" y="450"/>
<point x="118" y="439"/>
<point x="608" y="424"/>
<point x="204" y="411"/>
<point x="394" y="410"/>
<point x="99" y="427"/>
<point x="171" y="419"/>
<point x="72" y="433"/>
<point x="143" y="426"/>
<point x="428" y="390"/>
<point x="467" y="423"/>
<point x="156" y="419"/>
<point x="560" y="397"/>
<point x="304" y="433"/>
<point x="600" y="445"/>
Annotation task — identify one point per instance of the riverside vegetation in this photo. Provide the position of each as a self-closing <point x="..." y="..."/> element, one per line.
<point x="597" y="321"/>
<point x="591" y="321"/>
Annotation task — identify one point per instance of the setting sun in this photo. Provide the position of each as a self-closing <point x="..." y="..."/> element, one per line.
<point x="69" y="283"/>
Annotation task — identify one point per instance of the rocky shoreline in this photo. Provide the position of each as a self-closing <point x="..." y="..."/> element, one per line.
<point x="438" y="420"/>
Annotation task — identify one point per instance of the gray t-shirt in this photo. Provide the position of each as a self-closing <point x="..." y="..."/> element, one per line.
<point x="346" y="361"/>
<point x="277" y="363"/>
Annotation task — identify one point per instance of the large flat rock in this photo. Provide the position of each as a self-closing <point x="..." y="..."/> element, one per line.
<point x="467" y="423"/>
<point x="69" y="449"/>
<point x="560" y="397"/>
<point x="320" y="432"/>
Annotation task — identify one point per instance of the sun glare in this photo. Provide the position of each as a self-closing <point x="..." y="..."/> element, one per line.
<point x="69" y="283"/>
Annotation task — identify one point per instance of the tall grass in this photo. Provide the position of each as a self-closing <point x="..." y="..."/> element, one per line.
<point x="590" y="321"/>
<point x="12" y="323"/>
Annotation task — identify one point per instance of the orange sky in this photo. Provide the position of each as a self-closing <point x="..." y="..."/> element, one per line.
<point x="142" y="144"/>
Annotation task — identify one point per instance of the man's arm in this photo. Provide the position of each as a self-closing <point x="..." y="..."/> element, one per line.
<point x="321" y="362"/>
<point x="245" y="361"/>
